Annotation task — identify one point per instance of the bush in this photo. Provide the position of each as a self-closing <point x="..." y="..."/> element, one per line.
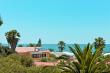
<point x="5" y="50"/>
<point x="31" y="45"/>
<point x="8" y="65"/>
<point x="52" y="55"/>
<point x="52" y="58"/>
<point x="51" y="50"/>
<point x="43" y="70"/>
<point x="65" y="57"/>
<point x="107" y="58"/>
<point x="15" y="63"/>
<point x="44" y="60"/>
<point x="20" y="45"/>
<point x="24" y="60"/>
<point x="15" y="57"/>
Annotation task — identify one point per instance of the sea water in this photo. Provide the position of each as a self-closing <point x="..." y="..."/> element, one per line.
<point x="67" y="49"/>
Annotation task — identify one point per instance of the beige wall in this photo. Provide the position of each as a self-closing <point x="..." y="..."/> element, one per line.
<point x="29" y="54"/>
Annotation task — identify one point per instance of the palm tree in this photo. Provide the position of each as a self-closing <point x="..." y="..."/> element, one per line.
<point x="39" y="43"/>
<point x="1" y="22"/>
<point x="12" y="39"/>
<point x="61" y="46"/>
<point x="87" y="61"/>
<point x="99" y="43"/>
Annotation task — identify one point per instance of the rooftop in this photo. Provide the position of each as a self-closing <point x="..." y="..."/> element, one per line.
<point x="25" y="49"/>
<point x="29" y="49"/>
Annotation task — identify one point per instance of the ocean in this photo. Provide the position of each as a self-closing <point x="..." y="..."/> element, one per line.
<point x="55" y="47"/>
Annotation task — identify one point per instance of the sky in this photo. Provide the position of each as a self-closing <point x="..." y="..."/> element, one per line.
<point x="72" y="21"/>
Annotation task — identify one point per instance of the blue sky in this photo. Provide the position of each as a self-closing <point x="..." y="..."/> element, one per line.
<point x="73" y="21"/>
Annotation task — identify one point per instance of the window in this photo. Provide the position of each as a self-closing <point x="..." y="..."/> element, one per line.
<point x="38" y="55"/>
<point x="43" y="55"/>
<point x="34" y="55"/>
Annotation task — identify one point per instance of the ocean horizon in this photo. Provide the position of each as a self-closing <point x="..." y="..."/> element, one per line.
<point x="55" y="47"/>
<point x="66" y="49"/>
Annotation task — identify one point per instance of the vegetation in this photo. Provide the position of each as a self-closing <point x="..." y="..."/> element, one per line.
<point x="31" y="45"/>
<point x="15" y="63"/>
<point x="12" y="39"/>
<point x="52" y="58"/>
<point x="8" y="65"/>
<point x="26" y="61"/>
<point x="1" y="22"/>
<point x="99" y="43"/>
<point x="51" y="50"/>
<point x="61" y="46"/>
<point x="43" y="70"/>
<point x="106" y="58"/>
<point x="4" y="50"/>
<point x="65" y="57"/>
<point x="39" y="44"/>
<point x="87" y="61"/>
<point x="20" y="45"/>
<point x="44" y="59"/>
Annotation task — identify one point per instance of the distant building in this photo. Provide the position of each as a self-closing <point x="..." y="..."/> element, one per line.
<point x="34" y="52"/>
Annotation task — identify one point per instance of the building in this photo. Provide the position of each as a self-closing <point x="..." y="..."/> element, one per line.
<point x="34" y="52"/>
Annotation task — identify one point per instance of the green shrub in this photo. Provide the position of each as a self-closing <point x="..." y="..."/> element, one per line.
<point x="5" y="50"/>
<point x="52" y="55"/>
<point x="51" y="50"/>
<point x="31" y="45"/>
<point x="52" y="58"/>
<point x="107" y="58"/>
<point x="44" y="60"/>
<point x="65" y="57"/>
<point x="24" y="60"/>
<point x="15" y="57"/>
<point x="8" y="65"/>
<point x="20" y="45"/>
<point x="43" y="70"/>
<point x="15" y="63"/>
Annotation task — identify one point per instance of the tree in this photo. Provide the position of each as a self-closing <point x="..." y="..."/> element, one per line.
<point x="61" y="46"/>
<point x="12" y="39"/>
<point x="39" y="44"/>
<point x="87" y="61"/>
<point x="99" y="43"/>
<point x="31" y="45"/>
<point x="51" y="50"/>
<point x="20" y="45"/>
<point x="1" y="22"/>
<point x="4" y="50"/>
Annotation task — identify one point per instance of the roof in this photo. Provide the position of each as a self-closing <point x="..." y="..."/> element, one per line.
<point x="39" y="52"/>
<point x="24" y="49"/>
<point x="30" y="49"/>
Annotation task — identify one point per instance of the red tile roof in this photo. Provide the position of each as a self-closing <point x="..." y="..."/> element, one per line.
<point x="24" y="49"/>
<point x="29" y="49"/>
